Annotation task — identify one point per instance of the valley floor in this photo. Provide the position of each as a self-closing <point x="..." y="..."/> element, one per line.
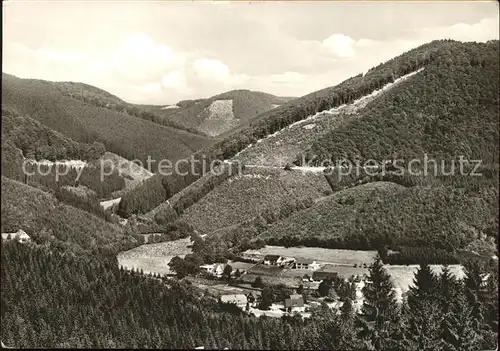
<point x="154" y="258"/>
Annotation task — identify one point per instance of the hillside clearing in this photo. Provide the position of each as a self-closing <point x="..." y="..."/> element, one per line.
<point x="154" y="258"/>
<point x="132" y="173"/>
<point x="286" y="144"/>
<point x="109" y="203"/>
<point x="245" y="196"/>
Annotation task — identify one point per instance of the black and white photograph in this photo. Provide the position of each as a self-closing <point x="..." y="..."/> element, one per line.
<point x="250" y="175"/>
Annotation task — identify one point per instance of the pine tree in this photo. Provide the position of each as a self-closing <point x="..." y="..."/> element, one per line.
<point x="458" y="332"/>
<point x="346" y="330"/>
<point x="424" y="287"/>
<point x="474" y="290"/>
<point x="491" y="300"/>
<point x="448" y="288"/>
<point x="379" y="305"/>
<point x="423" y="325"/>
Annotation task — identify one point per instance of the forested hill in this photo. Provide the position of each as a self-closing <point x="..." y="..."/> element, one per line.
<point x="447" y="110"/>
<point x="101" y="98"/>
<point x="222" y="113"/>
<point x="467" y="68"/>
<point x="127" y="135"/>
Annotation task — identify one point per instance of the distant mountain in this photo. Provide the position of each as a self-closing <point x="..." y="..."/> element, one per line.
<point x="80" y="112"/>
<point x="221" y="113"/>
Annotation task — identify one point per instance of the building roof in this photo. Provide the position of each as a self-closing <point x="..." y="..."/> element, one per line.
<point x="294" y="301"/>
<point x="208" y="266"/>
<point x="302" y="260"/>
<point x="328" y="268"/>
<point x="324" y="274"/>
<point x="271" y="257"/>
<point x="241" y="265"/>
<point x="254" y="293"/>
<point x="236" y="299"/>
<point x="219" y="265"/>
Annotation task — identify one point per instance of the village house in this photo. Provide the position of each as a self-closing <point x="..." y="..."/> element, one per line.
<point x="253" y="298"/>
<point x="242" y="267"/>
<point x="295" y="303"/>
<point x="239" y="300"/>
<point x="272" y="260"/>
<point x="277" y="260"/>
<point x="215" y="269"/>
<point x="305" y="263"/>
<point x="327" y="272"/>
<point x="20" y="236"/>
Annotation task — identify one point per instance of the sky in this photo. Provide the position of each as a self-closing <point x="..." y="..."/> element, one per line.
<point x="162" y="52"/>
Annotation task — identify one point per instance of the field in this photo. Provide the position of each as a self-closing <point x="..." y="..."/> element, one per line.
<point x="402" y="276"/>
<point x="216" y="289"/>
<point x="343" y="260"/>
<point x="334" y="256"/>
<point x="219" y="118"/>
<point x="154" y="258"/>
<point x="241" y="265"/>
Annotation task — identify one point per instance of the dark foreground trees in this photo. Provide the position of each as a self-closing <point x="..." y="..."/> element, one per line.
<point x="60" y="300"/>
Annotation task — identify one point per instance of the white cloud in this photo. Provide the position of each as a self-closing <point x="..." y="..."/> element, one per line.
<point x="211" y="69"/>
<point x="174" y="79"/>
<point x="287" y="77"/>
<point x="340" y="45"/>
<point x="138" y="57"/>
<point x="486" y="29"/>
<point x="151" y="88"/>
<point x="48" y="54"/>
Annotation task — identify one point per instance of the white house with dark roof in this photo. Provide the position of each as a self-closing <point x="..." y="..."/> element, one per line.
<point x="277" y="260"/>
<point x="239" y="300"/>
<point x="20" y="236"/>
<point x="215" y="269"/>
<point x="295" y="303"/>
<point x="305" y="263"/>
<point x="272" y="260"/>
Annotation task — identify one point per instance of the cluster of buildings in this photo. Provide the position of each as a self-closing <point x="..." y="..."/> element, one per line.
<point x="294" y="303"/>
<point x="319" y="272"/>
<point x="291" y="262"/>
<point x="215" y="269"/>
<point x="20" y="236"/>
<point x="241" y="300"/>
